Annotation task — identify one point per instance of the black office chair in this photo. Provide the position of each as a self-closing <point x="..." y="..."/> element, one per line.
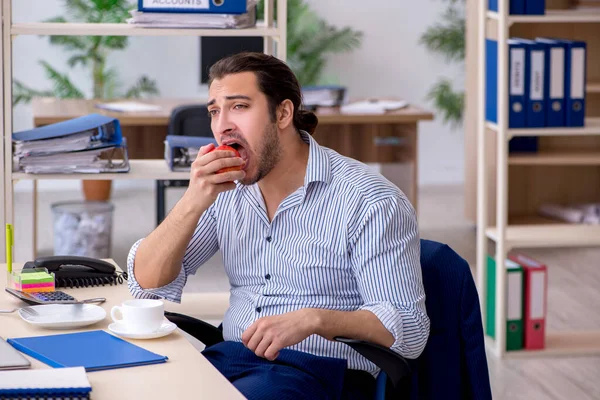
<point x="185" y="120"/>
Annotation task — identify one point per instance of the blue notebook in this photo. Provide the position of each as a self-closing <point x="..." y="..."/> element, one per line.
<point x="93" y="350"/>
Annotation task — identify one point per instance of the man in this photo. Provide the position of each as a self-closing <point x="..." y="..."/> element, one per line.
<point x="315" y="244"/>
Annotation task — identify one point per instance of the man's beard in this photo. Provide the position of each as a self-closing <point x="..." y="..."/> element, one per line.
<point x="268" y="155"/>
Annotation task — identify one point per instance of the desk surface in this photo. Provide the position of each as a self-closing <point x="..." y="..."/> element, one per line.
<point x="187" y="374"/>
<point x="50" y="110"/>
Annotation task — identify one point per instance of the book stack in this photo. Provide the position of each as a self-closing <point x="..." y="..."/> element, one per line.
<point x="526" y="293"/>
<point x="200" y="14"/>
<point x="89" y="144"/>
<point x="546" y="85"/>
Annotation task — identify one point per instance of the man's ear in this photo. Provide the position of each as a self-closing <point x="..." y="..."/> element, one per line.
<point x="285" y="114"/>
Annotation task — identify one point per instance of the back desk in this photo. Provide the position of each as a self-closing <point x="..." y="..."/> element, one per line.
<point x="389" y="140"/>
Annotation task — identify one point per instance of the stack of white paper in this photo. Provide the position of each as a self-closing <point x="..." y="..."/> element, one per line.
<point x="372" y="107"/>
<point x="128" y="106"/>
<point x="323" y="96"/>
<point x="576" y="213"/>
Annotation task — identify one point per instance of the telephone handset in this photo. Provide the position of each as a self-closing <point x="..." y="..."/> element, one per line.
<point x="76" y="271"/>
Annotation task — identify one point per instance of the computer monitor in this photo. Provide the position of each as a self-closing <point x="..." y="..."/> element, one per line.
<point x="212" y="49"/>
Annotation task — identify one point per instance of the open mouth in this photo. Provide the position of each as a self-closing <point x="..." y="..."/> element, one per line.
<point x="240" y="149"/>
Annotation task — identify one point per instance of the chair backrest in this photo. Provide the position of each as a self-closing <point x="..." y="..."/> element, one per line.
<point x="453" y="364"/>
<point x="190" y="120"/>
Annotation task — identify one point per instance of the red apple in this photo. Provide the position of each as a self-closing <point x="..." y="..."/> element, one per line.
<point x="237" y="154"/>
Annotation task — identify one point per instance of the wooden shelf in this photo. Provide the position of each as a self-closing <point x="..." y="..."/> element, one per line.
<point x="121" y="29"/>
<point x="555" y="158"/>
<point x="565" y="344"/>
<point x="140" y="169"/>
<point x="568" y="344"/>
<point x="592" y="127"/>
<point x="547" y="233"/>
<point x="551" y="16"/>
<point x="593" y="87"/>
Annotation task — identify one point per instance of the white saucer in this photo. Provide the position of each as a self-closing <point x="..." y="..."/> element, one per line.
<point x="120" y="329"/>
<point x="62" y="316"/>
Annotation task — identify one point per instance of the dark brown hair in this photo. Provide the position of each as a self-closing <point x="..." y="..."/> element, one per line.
<point x="275" y="79"/>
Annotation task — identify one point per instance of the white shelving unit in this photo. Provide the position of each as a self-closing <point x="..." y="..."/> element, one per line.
<point x="551" y="17"/>
<point x="275" y="42"/>
<point x="535" y="233"/>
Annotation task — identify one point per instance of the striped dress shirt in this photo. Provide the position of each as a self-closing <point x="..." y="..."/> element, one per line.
<point x="346" y="240"/>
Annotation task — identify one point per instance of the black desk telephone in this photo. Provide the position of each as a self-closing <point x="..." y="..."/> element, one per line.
<point x="74" y="271"/>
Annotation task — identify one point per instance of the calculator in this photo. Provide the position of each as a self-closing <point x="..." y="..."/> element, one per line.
<point x="35" y="298"/>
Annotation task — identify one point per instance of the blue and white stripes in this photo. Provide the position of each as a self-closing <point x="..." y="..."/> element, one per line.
<point x="346" y="240"/>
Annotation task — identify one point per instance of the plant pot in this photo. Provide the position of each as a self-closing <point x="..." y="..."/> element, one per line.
<point x="94" y="190"/>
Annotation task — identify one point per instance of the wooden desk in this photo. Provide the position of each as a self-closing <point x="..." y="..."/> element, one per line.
<point x="186" y="375"/>
<point x="389" y="140"/>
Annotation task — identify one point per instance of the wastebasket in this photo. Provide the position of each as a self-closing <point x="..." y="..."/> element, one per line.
<point x="83" y="228"/>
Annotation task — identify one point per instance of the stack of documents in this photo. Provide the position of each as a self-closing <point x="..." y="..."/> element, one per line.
<point x="197" y="20"/>
<point x="88" y="144"/>
<point x="128" y="106"/>
<point x="372" y="107"/>
<point x="576" y="213"/>
<point x="323" y="96"/>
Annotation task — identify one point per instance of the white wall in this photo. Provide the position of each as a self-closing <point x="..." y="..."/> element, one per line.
<point x="390" y="62"/>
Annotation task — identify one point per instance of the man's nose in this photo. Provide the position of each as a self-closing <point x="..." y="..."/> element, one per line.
<point x="225" y="124"/>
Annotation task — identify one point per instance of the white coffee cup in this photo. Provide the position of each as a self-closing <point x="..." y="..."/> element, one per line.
<point x="139" y="315"/>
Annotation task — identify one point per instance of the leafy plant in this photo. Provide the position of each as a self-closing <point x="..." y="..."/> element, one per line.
<point x="448" y="39"/>
<point x="310" y="39"/>
<point x="90" y="52"/>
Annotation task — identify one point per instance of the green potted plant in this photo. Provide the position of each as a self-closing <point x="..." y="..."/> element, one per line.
<point x="447" y="38"/>
<point x="310" y="39"/>
<point x="90" y="52"/>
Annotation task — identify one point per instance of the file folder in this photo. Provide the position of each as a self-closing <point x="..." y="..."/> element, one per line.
<point x="575" y="74"/>
<point x="523" y="144"/>
<point x="181" y="151"/>
<point x="535" y="7"/>
<point x="536" y="289"/>
<point x="517" y="82"/>
<point x="109" y="159"/>
<point x="93" y="350"/>
<point x="554" y="88"/>
<point x="535" y="73"/>
<point x="515" y="7"/>
<point x="514" y="304"/>
<point x="94" y="130"/>
<point x="195" y="6"/>
<point x="491" y="80"/>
